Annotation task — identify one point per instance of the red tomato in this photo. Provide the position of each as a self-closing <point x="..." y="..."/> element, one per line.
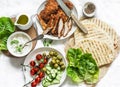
<point x="32" y="72"/>
<point x="36" y="69"/>
<point x="45" y="61"/>
<point x="41" y="65"/>
<point x="38" y="57"/>
<point x="38" y="80"/>
<point x="33" y="84"/>
<point x="41" y="74"/>
<point x="32" y="63"/>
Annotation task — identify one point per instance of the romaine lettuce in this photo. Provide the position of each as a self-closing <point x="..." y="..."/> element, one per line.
<point x="82" y="67"/>
<point x="6" y="28"/>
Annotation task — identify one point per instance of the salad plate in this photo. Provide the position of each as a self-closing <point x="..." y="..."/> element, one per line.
<point x="73" y="28"/>
<point x="32" y="56"/>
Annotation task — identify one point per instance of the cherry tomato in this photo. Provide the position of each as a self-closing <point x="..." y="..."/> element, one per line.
<point x="41" y="74"/>
<point x="38" y="57"/>
<point x="32" y="63"/>
<point x="38" y="80"/>
<point x="33" y="84"/>
<point x="36" y="69"/>
<point x="32" y="72"/>
<point x="41" y="65"/>
<point x="45" y="61"/>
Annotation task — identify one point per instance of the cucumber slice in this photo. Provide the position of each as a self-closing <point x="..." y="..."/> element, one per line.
<point x="58" y="77"/>
<point x="53" y="75"/>
<point x="43" y="83"/>
<point x="50" y="75"/>
<point x="48" y="68"/>
<point x="58" y="68"/>
<point x="46" y="80"/>
<point x="55" y="81"/>
<point x="49" y="79"/>
<point x="47" y="84"/>
<point x="47" y="72"/>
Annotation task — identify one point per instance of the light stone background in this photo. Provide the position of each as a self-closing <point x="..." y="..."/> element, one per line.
<point x="10" y="70"/>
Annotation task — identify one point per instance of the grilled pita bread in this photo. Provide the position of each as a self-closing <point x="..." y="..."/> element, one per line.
<point x="101" y="52"/>
<point x="105" y="27"/>
<point x="93" y="33"/>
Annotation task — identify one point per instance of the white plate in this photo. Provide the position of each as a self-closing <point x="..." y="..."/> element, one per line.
<point x="74" y="11"/>
<point x="32" y="56"/>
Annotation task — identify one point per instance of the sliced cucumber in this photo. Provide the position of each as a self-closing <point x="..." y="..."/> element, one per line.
<point x="47" y="84"/>
<point x="55" y="81"/>
<point x="58" y="77"/>
<point x="49" y="79"/>
<point x="50" y="75"/>
<point x="48" y="68"/>
<point x="58" y="68"/>
<point x="53" y="75"/>
<point x="48" y="72"/>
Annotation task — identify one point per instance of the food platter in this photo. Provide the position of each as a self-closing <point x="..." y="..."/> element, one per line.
<point x="32" y="56"/>
<point x="91" y="54"/>
<point x="74" y="11"/>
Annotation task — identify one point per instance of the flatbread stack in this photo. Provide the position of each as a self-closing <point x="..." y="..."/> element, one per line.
<point x="101" y="41"/>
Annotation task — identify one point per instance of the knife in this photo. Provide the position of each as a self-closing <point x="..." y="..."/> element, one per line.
<point x="69" y="13"/>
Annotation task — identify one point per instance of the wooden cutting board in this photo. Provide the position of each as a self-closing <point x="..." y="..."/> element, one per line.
<point x="103" y="69"/>
<point x="32" y="32"/>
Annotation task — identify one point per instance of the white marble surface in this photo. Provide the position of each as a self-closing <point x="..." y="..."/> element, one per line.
<point x="10" y="70"/>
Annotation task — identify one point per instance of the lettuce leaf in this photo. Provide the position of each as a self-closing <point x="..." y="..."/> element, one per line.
<point x="73" y="55"/>
<point x="6" y="28"/>
<point x="91" y="69"/>
<point x="73" y="74"/>
<point x="3" y="43"/>
<point x="82" y="67"/>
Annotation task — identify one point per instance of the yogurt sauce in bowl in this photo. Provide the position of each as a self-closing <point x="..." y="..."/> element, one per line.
<point x="15" y="44"/>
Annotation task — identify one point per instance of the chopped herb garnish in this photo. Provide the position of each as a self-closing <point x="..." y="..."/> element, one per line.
<point x="47" y="42"/>
<point x="14" y="42"/>
<point x="19" y="48"/>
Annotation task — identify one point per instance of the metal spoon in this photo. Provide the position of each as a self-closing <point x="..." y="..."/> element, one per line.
<point x="38" y="37"/>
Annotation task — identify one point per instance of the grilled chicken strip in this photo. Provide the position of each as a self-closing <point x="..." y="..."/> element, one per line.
<point x="67" y="27"/>
<point x="60" y="27"/>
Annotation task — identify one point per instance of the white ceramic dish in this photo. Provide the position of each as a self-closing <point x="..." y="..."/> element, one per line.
<point x="25" y="26"/>
<point x="32" y="56"/>
<point x="86" y="14"/>
<point x="22" y="38"/>
<point x="74" y="11"/>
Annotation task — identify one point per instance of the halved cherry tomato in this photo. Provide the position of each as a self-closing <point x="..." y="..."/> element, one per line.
<point x="41" y="65"/>
<point x="36" y="69"/>
<point x="38" y="80"/>
<point x="45" y="61"/>
<point x="33" y="84"/>
<point x="32" y="63"/>
<point x="38" y="57"/>
<point x="32" y="72"/>
<point x="41" y="74"/>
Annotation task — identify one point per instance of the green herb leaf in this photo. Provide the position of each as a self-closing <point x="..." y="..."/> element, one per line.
<point x="14" y="42"/>
<point x="19" y="48"/>
<point x="47" y="42"/>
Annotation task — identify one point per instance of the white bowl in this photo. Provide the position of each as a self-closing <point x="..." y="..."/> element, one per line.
<point x="87" y="14"/>
<point x="13" y="47"/>
<point x="24" y="26"/>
